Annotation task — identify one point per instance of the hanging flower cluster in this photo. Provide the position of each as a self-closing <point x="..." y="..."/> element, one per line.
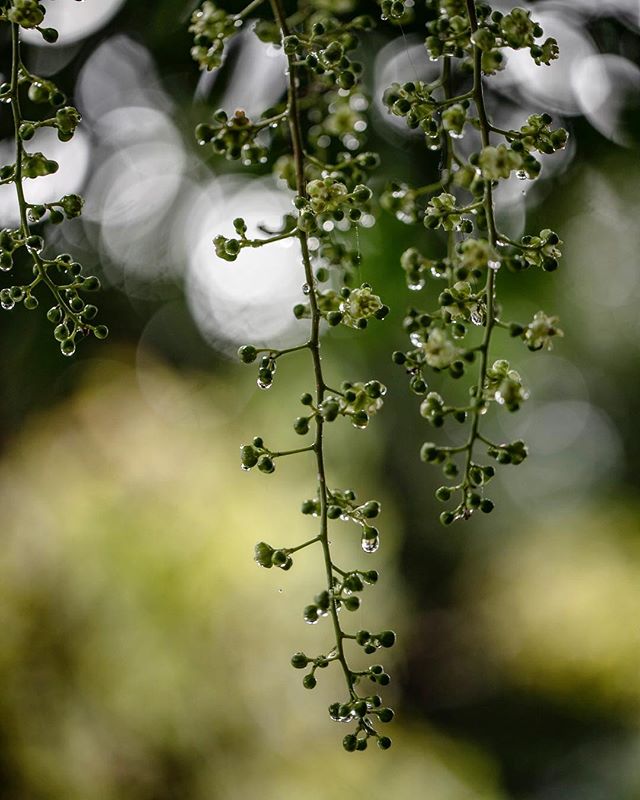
<point x="315" y="140"/>
<point x="455" y="335"/>
<point x="22" y="249"/>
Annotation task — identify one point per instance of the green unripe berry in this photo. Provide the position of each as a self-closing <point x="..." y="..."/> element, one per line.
<point x="387" y="638"/>
<point x="384" y="742"/>
<point x="486" y="506"/>
<point x="385" y="714"/>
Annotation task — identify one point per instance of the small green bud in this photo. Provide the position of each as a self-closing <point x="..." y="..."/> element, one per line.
<point x="310" y="614"/>
<point x="429" y="452"/>
<point x="248" y="455"/>
<point x="362" y="637"/>
<point x="308" y="507"/>
<point x="247" y="353"/>
<point x="309" y="682"/>
<point x="360" y="707"/>
<point x="350" y="743"/>
<point x="27" y="131"/>
<point x="299" y="660"/>
<point x="486" y="506"/>
<point x="263" y="554"/>
<point x="352" y="603"/>
<point x="265" y="464"/>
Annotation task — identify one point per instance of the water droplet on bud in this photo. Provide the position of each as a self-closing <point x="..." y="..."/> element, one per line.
<point x="370" y="545"/>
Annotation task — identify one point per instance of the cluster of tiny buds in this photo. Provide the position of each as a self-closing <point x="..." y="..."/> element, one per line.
<point x="442" y="338"/>
<point x="29" y="14"/>
<point x="61" y="275"/>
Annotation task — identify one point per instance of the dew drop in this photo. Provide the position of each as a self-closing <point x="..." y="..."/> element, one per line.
<point x="521" y="175"/>
<point x="7" y="305"/>
<point x="494" y="265"/>
<point x="306" y="289"/>
<point x="263" y="385"/>
<point x="416" y="339"/>
<point x="415" y="287"/>
<point x="476" y="318"/>
<point x="370" y="545"/>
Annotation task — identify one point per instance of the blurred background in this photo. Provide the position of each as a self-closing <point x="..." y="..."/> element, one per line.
<point x="143" y="655"/>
